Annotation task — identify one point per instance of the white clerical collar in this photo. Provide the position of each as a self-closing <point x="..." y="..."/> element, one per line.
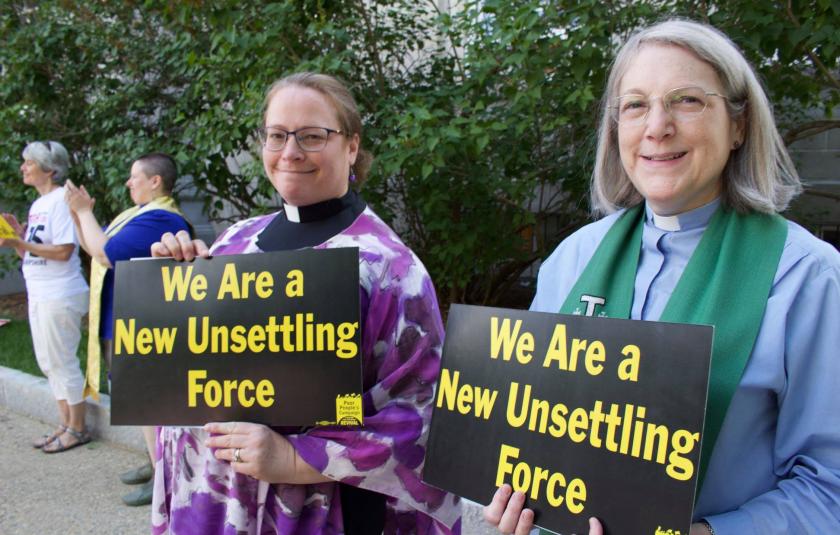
<point x="666" y="222"/>
<point x="695" y="218"/>
<point x="292" y="213"/>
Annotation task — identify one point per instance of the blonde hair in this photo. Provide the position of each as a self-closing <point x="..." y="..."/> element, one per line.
<point x="346" y="110"/>
<point x="759" y="176"/>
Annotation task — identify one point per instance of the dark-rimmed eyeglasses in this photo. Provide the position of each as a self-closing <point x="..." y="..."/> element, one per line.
<point x="309" y="139"/>
<point x="682" y="103"/>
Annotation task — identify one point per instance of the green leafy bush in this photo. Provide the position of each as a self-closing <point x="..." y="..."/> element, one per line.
<point x="482" y="117"/>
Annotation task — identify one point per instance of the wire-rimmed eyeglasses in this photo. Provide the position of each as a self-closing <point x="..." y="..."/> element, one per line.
<point x="309" y="138"/>
<point x="682" y="103"/>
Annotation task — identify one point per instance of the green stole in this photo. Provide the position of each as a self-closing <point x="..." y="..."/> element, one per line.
<point x="726" y="284"/>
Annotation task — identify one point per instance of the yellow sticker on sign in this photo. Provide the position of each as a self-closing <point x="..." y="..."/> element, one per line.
<point x="348" y="409"/>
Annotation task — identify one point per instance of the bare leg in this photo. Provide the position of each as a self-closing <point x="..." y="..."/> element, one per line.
<point x="63" y="422"/>
<point x="77" y="416"/>
<point x="150" y="436"/>
<point x="75" y="424"/>
<point x="63" y="412"/>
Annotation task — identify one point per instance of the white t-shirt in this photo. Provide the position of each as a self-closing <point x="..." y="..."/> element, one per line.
<point x="50" y="223"/>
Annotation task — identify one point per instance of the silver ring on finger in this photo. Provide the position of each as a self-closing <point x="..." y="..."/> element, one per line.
<point x="236" y="457"/>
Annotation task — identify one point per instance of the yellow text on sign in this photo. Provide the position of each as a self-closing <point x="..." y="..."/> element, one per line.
<point x="215" y="393"/>
<point x="530" y="480"/>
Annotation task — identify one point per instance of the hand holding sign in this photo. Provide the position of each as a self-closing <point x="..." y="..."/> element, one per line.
<point x="583" y="416"/>
<point x="180" y="247"/>
<point x="257" y="451"/>
<point x="506" y="513"/>
<point x="271" y="338"/>
<point x="10" y="231"/>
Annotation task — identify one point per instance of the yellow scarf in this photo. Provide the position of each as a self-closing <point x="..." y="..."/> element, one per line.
<point x="97" y="279"/>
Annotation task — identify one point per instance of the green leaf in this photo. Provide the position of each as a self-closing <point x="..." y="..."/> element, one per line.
<point x="427" y="170"/>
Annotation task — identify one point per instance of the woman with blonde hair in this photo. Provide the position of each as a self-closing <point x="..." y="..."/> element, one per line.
<point x="250" y="478"/>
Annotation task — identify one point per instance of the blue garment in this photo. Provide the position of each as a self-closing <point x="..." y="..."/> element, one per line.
<point x="775" y="468"/>
<point x="134" y="240"/>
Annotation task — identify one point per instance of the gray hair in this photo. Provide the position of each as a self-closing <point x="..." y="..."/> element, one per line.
<point x="50" y="156"/>
<point x="759" y="176"/>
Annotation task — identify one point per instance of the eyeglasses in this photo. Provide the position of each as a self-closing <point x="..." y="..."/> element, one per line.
<point x="309" y="139"/>
<point x="683" y="104"/>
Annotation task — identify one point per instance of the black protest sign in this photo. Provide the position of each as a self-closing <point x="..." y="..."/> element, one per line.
<point x="271" y="338"/>
<point x="587" y="416"/>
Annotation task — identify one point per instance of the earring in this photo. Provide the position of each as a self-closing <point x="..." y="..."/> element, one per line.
<point x="352" y="174"/>
<point x="736" y="145"/>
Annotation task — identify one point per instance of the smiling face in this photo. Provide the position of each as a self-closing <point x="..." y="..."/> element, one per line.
<point x="142" y="187"/>
<point x="304" y="178"/>
<point x="34" y="175"/>
<point x="675" y="165"/>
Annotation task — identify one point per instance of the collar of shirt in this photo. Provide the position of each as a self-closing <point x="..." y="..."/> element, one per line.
<point x="308" y="226"/>
<point x="319" y="211"/>
<point x="692" y="219"/>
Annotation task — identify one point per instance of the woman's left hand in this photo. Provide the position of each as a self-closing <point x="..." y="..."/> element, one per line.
<point x="263" y="453"/>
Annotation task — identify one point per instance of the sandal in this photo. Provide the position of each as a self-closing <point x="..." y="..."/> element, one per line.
<point x="81" y="437"/>
<point x="46" y="439"/>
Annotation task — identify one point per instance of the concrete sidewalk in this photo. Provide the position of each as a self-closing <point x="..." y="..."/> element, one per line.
<point x="73" y="492"/>
<point x="78" y="491"/>
<point x="30" y="396"/>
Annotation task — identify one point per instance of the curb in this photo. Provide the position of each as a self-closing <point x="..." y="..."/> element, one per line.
<point x="31" y="396"/>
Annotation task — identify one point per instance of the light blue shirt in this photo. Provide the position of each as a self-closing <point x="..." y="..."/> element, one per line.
<point x="775" y="468"/>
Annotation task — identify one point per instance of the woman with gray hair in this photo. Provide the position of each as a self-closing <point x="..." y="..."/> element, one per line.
<point x="56" y="290"/>
<point x="691" y="174"/>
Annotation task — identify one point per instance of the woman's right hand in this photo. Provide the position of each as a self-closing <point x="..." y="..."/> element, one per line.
<point x="13" y="222"/>
<point x="507" y="513"/>
<point x="16" y="227"/>
<point x="180" y="247"/>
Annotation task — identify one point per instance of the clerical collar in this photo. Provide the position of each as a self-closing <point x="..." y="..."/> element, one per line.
<point x="319" y="210"/>
<point x="306" y="226"/>
<point x="696" y="218"/>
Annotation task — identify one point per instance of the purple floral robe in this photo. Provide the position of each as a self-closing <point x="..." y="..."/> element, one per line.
<point x="194" y="493"/>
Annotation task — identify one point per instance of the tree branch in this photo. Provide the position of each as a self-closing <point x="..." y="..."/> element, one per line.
<point x="371" y="41"/>
<point x="814" y="58"/>
<point x="458" y="65"/>
<point x="809" y="129"/>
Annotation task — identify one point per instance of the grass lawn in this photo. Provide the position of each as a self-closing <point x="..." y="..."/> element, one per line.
<point x="16" y="340"/>
<point x="16" y="347"/>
